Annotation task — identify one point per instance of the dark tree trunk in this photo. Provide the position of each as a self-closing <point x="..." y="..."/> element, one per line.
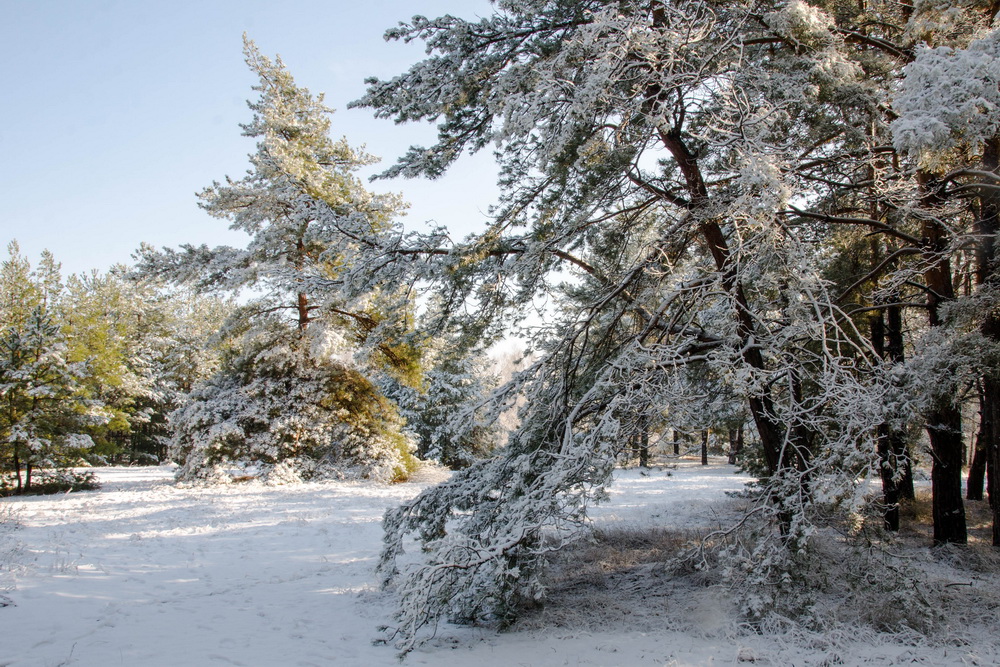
<point x="887" y="469"/>
<point x="991" y="393"/>
<point x="975" y="485"/>
<point x="944" y="423"/>
<point x="890" y="483"/>
<point x="988" y="277"/>
<point x="733" y="446"/>
<point x="677" y="444"/>
<point x="644" y="444"/>
<point x="891" y="443"/>
<point x="640" y="443"/>
<point x="17" y="469"/>
<point x="944" y="429"/>
<point x="302" y="307"/>
<point x="27" y="477"/>
<point x="704" y="447"/>
<point x="897" y="439"/>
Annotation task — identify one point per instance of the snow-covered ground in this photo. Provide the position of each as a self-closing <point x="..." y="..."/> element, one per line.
<point x="143" y="572"/>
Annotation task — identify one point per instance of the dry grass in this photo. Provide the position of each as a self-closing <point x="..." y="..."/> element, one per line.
<point x="627" y="578"/>
<point x="917" y="519"/>
<point x="618" y="578"/>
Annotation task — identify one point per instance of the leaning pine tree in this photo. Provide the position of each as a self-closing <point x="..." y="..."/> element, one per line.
<point x="295" y="397"/>
<point x="685" y="161"/>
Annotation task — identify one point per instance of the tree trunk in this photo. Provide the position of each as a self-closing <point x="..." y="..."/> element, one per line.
<point x="891" y="445"/>
<point x="302" y="307"/>
<point x="887" y="471"/>
<point x="975" y="483"/>
<point x="17" y="469"/>
<point x="988" y="278"/>
<point x="677" y="444"/>
<point x="777" y="453"/>
<point x="946" y="475"/>
<point x="890" y="483"/>
<point x="640" y="442"/>
<point x="644" y="444"/>
<point x="704" y="447"/>
<point x="900" y="449"/>
<point x="991" y="394"/>
<point x="944" y="423"/>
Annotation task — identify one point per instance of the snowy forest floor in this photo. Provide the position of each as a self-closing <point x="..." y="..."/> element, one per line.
<point x="143" y="572"/>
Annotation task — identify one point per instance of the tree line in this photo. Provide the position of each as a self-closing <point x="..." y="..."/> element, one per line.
<point x="90" y="365"/>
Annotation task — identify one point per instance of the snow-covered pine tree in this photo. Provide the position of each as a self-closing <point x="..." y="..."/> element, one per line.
<point x="294" y="414"/>
<point x="948" y="129"/>
<point x="295" y="396"/>
<point x="45" y="413"/>
<point x="444" y="412"/>
<point x="698" y="134"/>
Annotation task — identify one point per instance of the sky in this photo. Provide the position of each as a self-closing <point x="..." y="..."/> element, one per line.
<point x="115" y="113"/>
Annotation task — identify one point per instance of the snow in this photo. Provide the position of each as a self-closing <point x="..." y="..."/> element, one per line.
<point x="145" y="572"/>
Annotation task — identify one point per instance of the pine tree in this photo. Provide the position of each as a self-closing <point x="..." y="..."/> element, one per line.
<point x="308" y="327"/>
<point x="673" y="132"/>
<point x="45" y="414"/>
<point x="445" y="410"/>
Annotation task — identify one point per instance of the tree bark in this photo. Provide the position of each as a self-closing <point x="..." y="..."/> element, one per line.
<point x="17" y="468"/>
<point x="893" y="460"/>
<point x="975" y="484"/>
<point x="897" y="439"/>
<point x="988" y="278"/>
<point x="946" y="476"/>
<point x="644" y="444"/>
<point x="944" y="422"/>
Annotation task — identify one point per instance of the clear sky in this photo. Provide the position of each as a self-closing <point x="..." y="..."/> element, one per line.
<point x="114" y="113"/>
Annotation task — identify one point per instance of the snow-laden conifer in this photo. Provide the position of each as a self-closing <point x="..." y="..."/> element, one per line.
<point x="296" y="393"/>
<point x="45" y="412"/>
<point x="677" y="160"/>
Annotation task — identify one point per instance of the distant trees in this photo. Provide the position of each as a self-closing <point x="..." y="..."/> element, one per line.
<point x="44" y="412"/>
<point x="445" y="410"/>
<point x="91" y="365"/>
<point x="143" y="347"/>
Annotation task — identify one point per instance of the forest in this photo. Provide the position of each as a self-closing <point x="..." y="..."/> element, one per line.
<point x="771" y="221"/>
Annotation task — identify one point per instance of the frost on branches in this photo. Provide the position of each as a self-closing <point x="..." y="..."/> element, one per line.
<point x="288" y="414"/>
<point x="948" y="100"/>
<point x="297" y="395"/>
<point x="45" y="412"/>
<point x="689" y="166"/>
<point x="445" y="411"/>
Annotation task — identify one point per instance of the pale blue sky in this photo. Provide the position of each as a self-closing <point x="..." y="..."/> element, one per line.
<point x="114" y="113"/>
